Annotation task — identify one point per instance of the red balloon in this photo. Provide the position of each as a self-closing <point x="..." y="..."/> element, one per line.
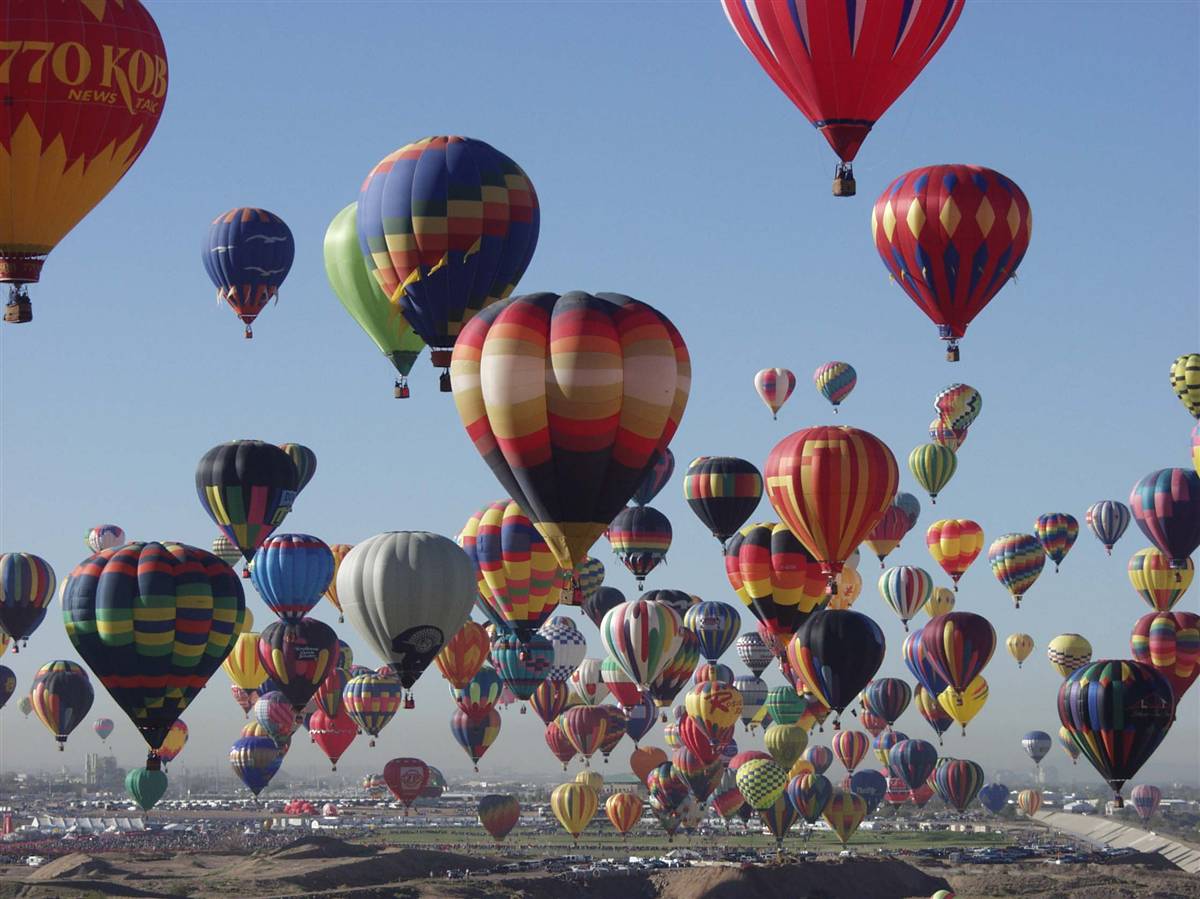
<point x="843" y="64"/>
<point x="333" y="735"/>
<point x="951" y="236"/>
<point x="406" y="778"/>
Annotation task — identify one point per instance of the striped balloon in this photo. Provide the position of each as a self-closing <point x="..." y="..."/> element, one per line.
<point x="958" y="646"/>
<point x="61" y="697"/>
<point x="931" y="710"/>
<point x="723" y="492"/>
<point x="912" y="761"/>
<point x="518" y="576"/>
<point x="917" y="660"/>
<point x="226" y="550"/>
<point x="1108" y="520"/>
<point x="1170" y="643"/>
<point x="571" y="457"/>
<point x="1016" y="560"/>
<point x="677" y="671"/>
<point x="339" y="551"/>
<point x="1145" y="800"/>
<point x="882" y="745"/>
<point x="643" y="636"/>
<point x="811" y="474"/>
<point x="662" y="466"/>
<point x="26" y="587"/>
<point x="887" y="697"/>
<point x="834" y="381"/>
<point x="558" y="743"/>
<point x="906" y="588"/>
<point x="479" y="696"/>
<point x="775" y="577"/>
<point x="371" y="700"/>
<point x="716" y="624"/>
<point x="933" y="466"/>
<point x="1156" y="582"/>
<point x="640" y="536"/>
<point x="850" y="747"/>
<point x="274" y="714"/>
<point x="305" y="461"/>
<point x="104" y="536"/>
<point x="774" y="386"/>
<point x="954" y="544"/>
<point x="619" y="684"/>
<point x="1068" y="652"/>
<point x="958" y="782"/>
<point x="1029" y="801"/>
<point x="290" y="572"/>
<point x="475" y="733"/>
<point x="1056" y="531"/>
<point x="463" y="655"/>
<point x="753" y="652"/>
<point x="574" y="805"/>
<point x="243" y="665"/>
<point x="550" y="700"/>
<point x="1185" y="381"/>
<point x="586" y="684"/>
<point x="1166" y="506"/>
<point x="754" y="695"/>
<point x="886" y="535"/>
<point x="589" y="576"/>
<point x="958" y="405"/>
<point x="844" y="812"/>
<point x="1068" y="744"/>
<point x="778" y="818"/>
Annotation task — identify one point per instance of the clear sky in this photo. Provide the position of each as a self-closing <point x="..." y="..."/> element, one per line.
<point x="668" y="167"/>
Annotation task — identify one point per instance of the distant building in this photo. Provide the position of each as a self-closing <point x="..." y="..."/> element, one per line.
<point x="101" y="772"/>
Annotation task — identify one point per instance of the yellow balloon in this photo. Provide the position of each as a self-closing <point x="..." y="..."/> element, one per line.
<point x="574" y="805"/>
<point x="785" y="743"/>
<point x="4" y="641"/>
<point x="849" y="587"/>
<point x="1019" y="647"/>
<point x="962" y="707"/>
<point x="800" y="768"/>
<point x="242" y="665"/>
<point x="590" y="779"/>
<point x="1156" y="582"/>
<point x="940" y="602"/>
<point x="246" y="624"/>
<point x="1068" y="652"/>
<point x="714" y="704"/>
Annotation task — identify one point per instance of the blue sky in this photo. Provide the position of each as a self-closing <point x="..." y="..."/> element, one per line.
<point x="670" y="168"/>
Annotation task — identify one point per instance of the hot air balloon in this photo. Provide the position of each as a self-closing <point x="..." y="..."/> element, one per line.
<point x="499" y="815"/>
<point x="475" y="734"/>
<point x="662" y="466"/>
<point x="586" y="683"/>
<point x="1019" y="647"/>
<point x="1196" y="448"/>
<point x="1067" y="652"/>
<point x="61" y="697"/>
<point x="1068" y="744"/>
<point x="940" y="601"/>
<point x="548" y="471"/>
<point x="640" y="536"/>
<point x="598" y="605"/>
<point x="723" y="492"/>
<point x="185" y="597"/>
<point x="679" y="600"/>
<point x="81" y="103"/>
<point x="845" y="811"/>
<point x="933" y="465"/>
<point x="785" y="743"/>
<point x="930" y="220"/>
<point x="809" y="794"/>
<point x="836" y="653"/>
<point x="480" y="694"/>
<point x="26" y="587"/>
<point x="820" y="757"/>
<point x="559" y="745"/>
<point x="574" y="805"/>
<point x="958" y="782"/>
<point x="754" y="695"/>
<point x="588" y="576"/>
<point x="517" y="576"/>
<point x="811" y="474"/>
<point x="778" y="818"/>
<point x="1056" y="532"/>
<point x="447" y="226"/>
<point x="834" y="381"/>
<point x="146" y="787"/>
<point x="523" y="664"/>
<point x="585" y="727"/>
<point x="104" y="536"/>
<point x="570" y="647"/>
<point x="944" y="435"/>
<point x="102" y="727"/>
<point x="624" y="810"/>
<point x="273" y="713"/>
<point x="1185" y="381"/>
<point x="298" y="655"/>
<point x="226" y="550"/>
<point x="1029" y="801"/>
<point x="964" y="705"/>
<point x="753" y="652"/>
<point x="406" y="778"/>
<point x="1108" y="520"/>
<point x="1169" y="642"/>
<point x="247" y="487"/>
<point x="361" y="295"/>
<point x="887" y="697"/>
<point x="406" y="593"/>
<point x="716" y="624"/>
<point x="620" y="684"/>
<point x="173" y="743"/>
<point x="371" y="700"/>
<point x="1166" y="506"/>
<point x="715" y="708"/>
<point x="912" y="761"/>
<point x="906" y="588"/>
<point x="958" y="646"/>
<point x="882" y="745"/>
<point x="291" y="571"/>
<point x="774" y="386"/>
<point x="677" y="671"/>
<point x="850" y="747"/>
<point x="333" y="734"/>
<point x="643" y="636"/>
<point x="242" y="664"/>
<point x="464" y="654"/>
<point x="886" y="535"/>
<point x="918" y="662"/>
<point x="549" y="700"/>
<point x="1036" y="744"/>
<point x="1016" y="560"/>
<point x="1117" y="712"/>
<point x="993" y="797"/>
<point x="247" y="254"/>
<point x="842" y="68"/>
<point x="954" y="544"/>
<point x="930" y="707"/>
<point x="1156" y="582"/>
<point x="1145" y="801"/>
<point x="775" y="577"/>
<point x="761" y="782"/>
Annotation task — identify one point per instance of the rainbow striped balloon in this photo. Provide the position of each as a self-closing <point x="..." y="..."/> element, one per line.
<point x="1017" y="560"/>
<point x="1056" y="531"/>
<point x="834" y="381"/>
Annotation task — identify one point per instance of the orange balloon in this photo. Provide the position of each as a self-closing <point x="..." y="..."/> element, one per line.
<point x="954" y="544"/>
<point x="464" y="654"/>
<point x="645" y="760"/>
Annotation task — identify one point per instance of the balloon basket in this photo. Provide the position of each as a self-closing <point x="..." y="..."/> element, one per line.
<point x="444" y="382"/>
<point x="249" y="335"/>
<point x="844" y="185"/>
<point x="18" y="310"/>
<point x="400" y="390"/>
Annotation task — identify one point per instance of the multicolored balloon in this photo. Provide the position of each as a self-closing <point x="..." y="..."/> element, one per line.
<point x="1155" y="581"/>
<point x="104" y="536"/>
<point x="850" y="747"/>
<point x="498" y="815"/>
<point x="1068" y="744"/>
<point x="662" y="466"/>
<point x="834" y="381"/>
<point x="1185" y="381"/>
<point x="954" y="544"/>
<point x="247" y="255"/>
<point x="61" y="697"/>
<point x="298" y="655"/>
<point x="775" y="577"/>
<point x="933" y="465"/>
<point x="1166" y="506"/>
<point x="26" y="587"/>
<point x="1016" y="560"/>
<point x="1145" y="801"/>
<point x="836" y="653"/>
<point x="1068" y="652"/>
<point x="1108" y="520"/>
<point x="846" y="810"/>
<point x="255" y="759"/>
<point x="640" y="536"/>
<point x="643" y="636"/>
<point x="906" y="588"/>
<point x="550" y="473"/>
<point x="475" y="734"/>
<point x="716" y="624"/>
<point x="624" y="810"/>
<point x="1056" y="531"/>
<point x="371" y="700"/>
<point x="958" y="647"/>
<point x="887" y="697"/>
<point x="723" y="492"/>
<point x="929" y="220"/>
<point x="290" y="572"/>
<point x="406" y="779"/>
<point x="1029" y="801"/>
<point x="1170" y="643"/>
<point x="574" y="805"/>
<point x="958" y="782"/>
<point x="774" y="386"/>
<point x="464" y="654"/>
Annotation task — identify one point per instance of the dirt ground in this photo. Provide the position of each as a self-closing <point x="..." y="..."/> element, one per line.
<point x="326" y="867"/>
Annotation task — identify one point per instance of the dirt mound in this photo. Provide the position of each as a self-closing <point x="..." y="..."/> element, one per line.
<point x="74" y="866"/>
<point x="1045" y="881"/>
<point x="877" y="878"/>
<point x="361" y="866"/>
<point x="320" y="847"/>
